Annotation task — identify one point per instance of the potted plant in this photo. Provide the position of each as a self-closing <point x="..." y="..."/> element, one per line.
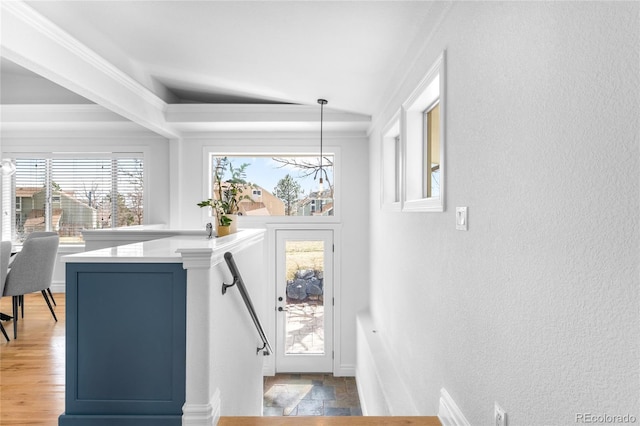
<point x="227" y="194"/>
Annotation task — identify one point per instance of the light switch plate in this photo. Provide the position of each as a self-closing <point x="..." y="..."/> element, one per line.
<point x="462" y="223"/>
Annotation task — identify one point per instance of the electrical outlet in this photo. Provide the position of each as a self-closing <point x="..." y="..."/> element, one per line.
<point x="499" y="415"/>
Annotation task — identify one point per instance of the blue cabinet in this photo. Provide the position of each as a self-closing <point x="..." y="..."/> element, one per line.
<point x="125" y="344"/>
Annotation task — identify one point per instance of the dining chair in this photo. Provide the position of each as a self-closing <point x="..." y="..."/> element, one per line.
<point x="31" y="271"/>
<point x="38" y="234"/>
<point x="5" y="254"/>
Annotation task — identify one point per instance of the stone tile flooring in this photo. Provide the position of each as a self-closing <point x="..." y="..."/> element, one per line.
<point x="310" y="395"/>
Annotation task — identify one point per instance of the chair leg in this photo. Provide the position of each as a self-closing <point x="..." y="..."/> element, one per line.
<point x="21" y="302"/>
<point x="44" y="294"/>
<point x="4" y="332"/>
<point x="14" y="300"/>
<point x="51" y="296"/>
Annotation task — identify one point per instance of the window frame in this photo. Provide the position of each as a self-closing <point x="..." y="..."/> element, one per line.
<point x="9" y="185"/>
<point x="211" y="151"/>
<point x="391" y="165"/>
<point x="427" y="149"/>
<point x="429" y="92"/>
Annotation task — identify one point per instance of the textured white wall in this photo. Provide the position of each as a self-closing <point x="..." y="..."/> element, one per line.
<point x="536" y="306"/>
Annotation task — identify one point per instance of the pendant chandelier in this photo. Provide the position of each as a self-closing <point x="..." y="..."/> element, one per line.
<point x="322" y="103"/>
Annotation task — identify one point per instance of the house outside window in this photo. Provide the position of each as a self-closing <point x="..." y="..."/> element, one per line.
<point x="66" y="195"/>
<point x="281" y="185"/>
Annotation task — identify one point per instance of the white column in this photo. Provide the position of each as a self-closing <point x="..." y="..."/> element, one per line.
<point x="202" y="399"/>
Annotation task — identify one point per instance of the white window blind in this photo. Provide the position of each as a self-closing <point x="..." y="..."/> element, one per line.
<point x="68" y="194"/>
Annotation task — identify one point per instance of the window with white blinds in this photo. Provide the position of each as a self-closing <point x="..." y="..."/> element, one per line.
<point x="68" y="194"/>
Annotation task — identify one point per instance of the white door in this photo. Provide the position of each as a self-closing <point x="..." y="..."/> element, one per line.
<point x="304" y="301"/>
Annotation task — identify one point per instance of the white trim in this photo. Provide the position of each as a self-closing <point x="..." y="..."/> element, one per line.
<point x="217" y="117"/>
<point x="62" y="38"/>
<point x="412" y="136"/>
<point x="202" y="414"/>
<point x="176" y="182"/>
<point x="34" y="42"/>
<point x="312" y="362"/>
<point x="58" y="113"/>
<point x="337" y="305"/>
<point x="433" y="21"/>
<point x="448" y="411"/>
<point x="339" y="369"/>
<point x="389" y="134"/>
<point x="91" y="152"/>
<point x="258" y="148"/>
<point x="363" y="401"/>
<point x="345" y="370"/>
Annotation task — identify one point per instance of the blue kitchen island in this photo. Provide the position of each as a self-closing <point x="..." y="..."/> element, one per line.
<point x="151" y="340"/>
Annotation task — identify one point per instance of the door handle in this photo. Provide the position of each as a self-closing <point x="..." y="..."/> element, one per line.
<point x="281" y="309"/>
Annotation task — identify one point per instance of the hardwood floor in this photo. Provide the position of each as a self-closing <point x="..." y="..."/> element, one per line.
<point x="32" y="367"/>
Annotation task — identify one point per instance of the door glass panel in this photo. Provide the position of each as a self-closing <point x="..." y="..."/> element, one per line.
<point x="305" y="322"/>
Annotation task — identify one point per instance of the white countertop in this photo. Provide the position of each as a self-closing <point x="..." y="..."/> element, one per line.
<point x="167" y="250"/>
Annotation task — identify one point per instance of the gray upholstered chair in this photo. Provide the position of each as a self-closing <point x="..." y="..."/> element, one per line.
<point x="38" y="234"/>
<point x="5" y="254"/>
<point x="31" y="270"/>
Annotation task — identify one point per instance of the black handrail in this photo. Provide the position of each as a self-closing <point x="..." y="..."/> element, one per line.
<point x="237" y="279"/>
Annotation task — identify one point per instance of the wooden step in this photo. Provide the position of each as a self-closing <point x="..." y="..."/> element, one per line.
<point x="330" y="421"/>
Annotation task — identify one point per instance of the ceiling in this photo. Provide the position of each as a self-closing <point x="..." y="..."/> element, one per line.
<point x="252" y="52"/>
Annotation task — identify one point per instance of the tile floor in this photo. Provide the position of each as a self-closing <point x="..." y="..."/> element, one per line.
<point x="310" y="395"/>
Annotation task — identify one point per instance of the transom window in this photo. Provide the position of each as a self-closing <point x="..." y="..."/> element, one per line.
<point x="277" y="185"/>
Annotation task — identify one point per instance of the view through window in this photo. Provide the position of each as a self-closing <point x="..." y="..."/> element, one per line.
<point x="280" y="185"/>
<point x="67" y="195"/>
<point x="432" y="152"/>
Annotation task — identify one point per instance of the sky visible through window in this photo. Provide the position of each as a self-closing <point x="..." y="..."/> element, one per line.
<point x="266" y="172"/>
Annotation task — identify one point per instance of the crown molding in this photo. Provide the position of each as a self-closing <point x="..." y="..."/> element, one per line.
<point x="62" y="38"/>
<point x="37" y="44"/>
<point x="271" y="117"/>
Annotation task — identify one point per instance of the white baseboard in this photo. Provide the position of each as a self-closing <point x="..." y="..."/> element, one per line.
<point x="448" y="411"/>
<point x="58" y="287"/>
<point x="363" y="402"/>
<point x="202" y="414"/>
<point x="345" y="370"/>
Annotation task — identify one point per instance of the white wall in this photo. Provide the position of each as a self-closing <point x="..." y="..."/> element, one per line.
<point x="176" y="183"/>
<point x="190" y="156"/>
<point x="536" y="305"/>
<point x="237" y="367"/>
